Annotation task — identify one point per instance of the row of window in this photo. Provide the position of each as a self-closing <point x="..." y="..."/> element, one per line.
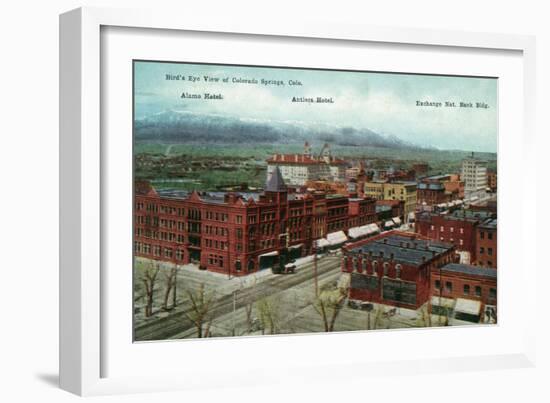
<point x="482" y="235"/>
<point x="451" y="229"/>
<point x="216" y="216"/>
<point x="212" y="230"/>
<point x="466" y="289"/>
<point x="489" y="251"/>
<point x="163" y="236"/>
<point x="215" y="244"/>
<point x="158" y="251"/>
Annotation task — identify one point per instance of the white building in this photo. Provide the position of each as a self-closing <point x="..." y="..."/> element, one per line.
<point x="474" y="175"/>
<point x="297" y="169"/>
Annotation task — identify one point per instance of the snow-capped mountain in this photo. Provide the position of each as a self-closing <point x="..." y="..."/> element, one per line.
<point x="191" y="127"/>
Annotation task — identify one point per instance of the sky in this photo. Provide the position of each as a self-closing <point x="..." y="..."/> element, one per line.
<point x="383" y="102"/>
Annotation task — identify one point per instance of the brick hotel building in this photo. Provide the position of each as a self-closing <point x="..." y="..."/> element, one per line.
<point x="236" y="233"/>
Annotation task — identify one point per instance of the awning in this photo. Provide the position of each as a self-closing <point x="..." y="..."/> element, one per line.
<point x="357" y="232"/>
<point x="443" y="302"/>
<point x="389" y="224"/>
<point x="274" y="253"/>
<point x="322" y="243"/>
<point x="336" y="238"/>
<point x="397" y="220"/>
<point x="468" y="306"/>
<point x="374" y="228"/>
<point x="296" y="246"/>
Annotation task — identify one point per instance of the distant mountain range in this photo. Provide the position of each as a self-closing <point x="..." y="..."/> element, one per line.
<point x="191" y="127"/>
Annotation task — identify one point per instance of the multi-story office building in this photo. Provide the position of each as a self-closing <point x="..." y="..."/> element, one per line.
<point x="474" y="175"/>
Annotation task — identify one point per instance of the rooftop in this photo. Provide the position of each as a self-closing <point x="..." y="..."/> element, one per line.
<point x="275" y="183"/>
<point x="490" y="223"/>
<point x="459" y="215"/>
<point x="405" y="249"/>
<point x="301" y="159"/>
<point x="470" y="270"/>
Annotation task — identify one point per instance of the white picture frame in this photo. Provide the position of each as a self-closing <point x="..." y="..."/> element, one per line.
<point x="82" y="186"/>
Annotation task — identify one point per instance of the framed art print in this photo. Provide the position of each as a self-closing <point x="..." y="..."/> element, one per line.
<point x="262" y="208"/>
<point x="252" y="197"/>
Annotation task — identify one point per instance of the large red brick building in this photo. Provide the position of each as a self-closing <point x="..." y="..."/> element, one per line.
<point x="394" y="268"/>
<point x="240" y="233"/>
<point x="458" y="228"/>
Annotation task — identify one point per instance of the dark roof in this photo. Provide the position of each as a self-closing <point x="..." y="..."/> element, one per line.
<point x="173" y="193"/>
<point x="405" y="249"/>
<point x="275" y="183"/>
<point x="490" y="223"/>
<point x="431" y="186"/>
<point x="471" y="270"/>
<point x="207" y="197"/>
<point x="459" y="215"/>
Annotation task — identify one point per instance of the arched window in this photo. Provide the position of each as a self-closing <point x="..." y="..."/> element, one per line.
<point x="251" y="265"/>
<point x="354" y="264"/>
<point x="398" y="270"/>
<point x="374" y="268"/>
<point x="238" y="265"/>
<point x="386" y="267"/>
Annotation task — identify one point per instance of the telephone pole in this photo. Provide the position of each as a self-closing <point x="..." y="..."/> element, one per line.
<point x="315" y="268"/>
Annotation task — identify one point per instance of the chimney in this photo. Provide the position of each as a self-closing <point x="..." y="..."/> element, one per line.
<point x="370" y="253"/>
<point x="423" y="259"/>
<point x="385" y="240"/>
<point x="391" y="256"/>
<point x="381" y="253"/>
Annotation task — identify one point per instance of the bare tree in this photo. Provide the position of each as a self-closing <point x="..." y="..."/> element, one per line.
<point x="248" y="305"/>
<point x="268" y="310"/>
<point x="328" y="305"/>
<point x="377" y="318"/>
<point x="149" y="278"/>
<point x="424" y="318"/>
<point x="169" y="286"/>
<point x="199" y="314"/>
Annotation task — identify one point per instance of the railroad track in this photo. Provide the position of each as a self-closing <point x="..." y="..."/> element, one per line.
<point x="177" y="322"/>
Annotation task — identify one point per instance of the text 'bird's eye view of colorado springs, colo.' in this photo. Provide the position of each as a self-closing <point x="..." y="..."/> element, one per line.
<point x="258" y="213"/>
